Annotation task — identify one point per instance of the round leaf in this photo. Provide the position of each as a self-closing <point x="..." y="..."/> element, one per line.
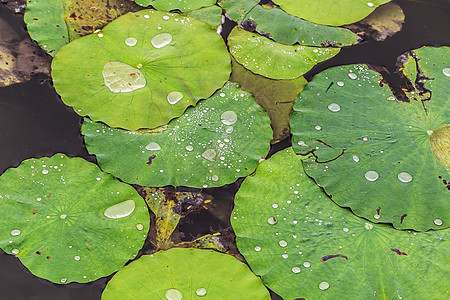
<point x="270" y="59"/>
<point x="335" y="13"/>
<point x="305" y="246"/>
<point x="182" y="5"/>
<point x="213" y="144"/>
<point x="376" y="154"/>
<point x="185" y="274"/>
<point x="142" y="70"/>
<point x="68" y="221"/>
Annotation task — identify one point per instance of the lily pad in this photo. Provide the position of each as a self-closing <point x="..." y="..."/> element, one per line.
<point x="54" y="23"/>
<point x="274" y="60"/>
<point x="213" y="144"/>
<point x="383" y="158"/>
<point x="283" y="28"/>
<point x="68" y="221"/>
<point x="142" y="70"/>
<point x="305" y="246"/>
<point x="182" y="5"/>
<point x="212" y="15"/>
<point x="185" y="274"/>
<point x="326" y="12"/>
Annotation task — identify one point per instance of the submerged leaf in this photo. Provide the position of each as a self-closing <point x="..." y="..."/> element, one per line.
<point x="305" y="246"/>
<point x="213" y="144"/>
<point x="374" y="153"/>
<point x="182" y="5"/>
<point x="142" y="70"/>
<point x="270" y="59"/>
<point x="186" y="274"/>
<point x="61" y="216"/>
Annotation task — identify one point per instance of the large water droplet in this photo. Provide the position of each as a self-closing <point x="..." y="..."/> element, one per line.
<point x="404" y="177"/>
<point x="438" y="222"/>
<point x="15" y="251"/>
<point x="139" y="226"/>
<point x="209" y="154"/>
<point x="296" y="270"/>
<point x="371" y="175"/>
<point x="153" y="146"/>
<point x="334" y="107"/>
<point x="282" y="243"/>
<point x="161" y="40"/>
<point x="15" y="232"/>
<point x="352" y="76"/>
<point x="131" y="41"/>
<point x="229" y="117"/>
<point x="201" y="292"/>
<point x="446" y="71"/>
<point x="324" y="285"/>
<point x="120" y="77"/>
<point x="120" y="210"/>
<point x="173" y="294"/>
<point x="306" y="264"/>
<point x="174" y="97"/>
<point x="272" y="221"/>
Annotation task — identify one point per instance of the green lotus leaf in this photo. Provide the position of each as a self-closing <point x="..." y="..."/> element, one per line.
<point x="185" y="274"/>
<point x="54" y="23"/>
<point x="182" y="5"/>
<point x="213" y="144"/>
<point x="275" y="96"/>
<point x="142" y="70"/>
<point x="304" y="246"/>
<point x="326" y="12"/>
<point x="270" y="59"/>
<point x="385" y="159"/>
<point x="284" y="28"/>
<point x="68" y="221"/>
<point x="212" y="15"/>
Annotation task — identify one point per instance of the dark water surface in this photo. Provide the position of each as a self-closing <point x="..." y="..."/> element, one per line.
<point x="34" y="122"/>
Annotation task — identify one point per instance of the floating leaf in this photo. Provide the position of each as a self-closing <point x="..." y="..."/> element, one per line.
<point x="212" y="15"/>
<point x="275" y="96"/>
<point x="213" y="144"/>
<point x="284" y="28"/>
<point x="305" y="246"/>
<point x="142" y="70"/>
<point x="335" y="13"/>
<point x="185" y="274"/>
<point x="182" y="5"/>
<point x="373" y="153"/>
<point x="68" y="221"/>
<point x="270" y="59"/>
<point x="53" y="23"/>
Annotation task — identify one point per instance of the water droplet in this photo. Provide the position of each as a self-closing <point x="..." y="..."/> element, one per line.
<point x="446" y="71"/>
<point x="306" y="264"/>
<point x="282" y="243"/>
<point x="284" y="255"/>
<point x="390" y="98"/>
<point x="77" y="258"/>
<point x="302" y="143"/>
<point x="201" y="292"/>
<point x="438" y="222"/>
<point x="371" y="175"/>
<point x="161" y="40"/>
<point x="173" y="294"/>
<point x="324" y="285"/>
<point x="318" y="127"/>
<point x="209" y="154"/>
<point x="376" y="216"/>
<point x="153" y="146"/>
<point x="229" y="117"/>
<point x="15" y="232"/>
<point x="345" y="229"/>
<point x="120" y="77"/>
<point x="166" y="18"/>
<point x="120" y="210"/>
<point x="100" y="34"/>
<point x="355" y="158"/>
<point x="352" y="76"/>
<point x="370" y="4"/>
<point x="368" y="226"/>
<point x="63" y="216"/>
<point x="146" y="16"/>
<point x="257" y="248"/>
<point x="334" y="107"/>
<point x="365" y="139"/>
<point x="275" y="205"/>
<point x="229" y="129"/>
<point x="296" y="270"/>
<point x="139" y="66"/>
<point x="15" y="251"/>
<point x="139" y="226"/>
<point x="131" y="41"/>
<point x="404" y="177"/>
<point x="189" y="148"/>
<point x="98" y="178"/>
<point x="272" y="221"/>
<point x="45" y="172"/>
<point x="222" y="95"/>
<point x="38" y="199"/>
<point x="215" y="178"/>
<point x="340" y="83"/>
<point x="174" y="97"/>
<point x="63" y="280"/>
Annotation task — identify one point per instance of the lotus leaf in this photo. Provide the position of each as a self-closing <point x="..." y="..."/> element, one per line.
<point x="182" y="5"/>
<point x="213" y="144"/>
<point x="334" y="12"/>
<point x="385" y="159"/>
<point x="53" y="23"/>
<point x="212" y="15"/>
<point x="188" y="274"/>
<point x="142" y="70"/>
<point x="68" y="221"/>
<point x="284" y="28"/>
<point x="304" y="245"/>
<point x="270" y="59"/>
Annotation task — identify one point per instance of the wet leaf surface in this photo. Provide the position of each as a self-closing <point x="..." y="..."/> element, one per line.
<point x="182" y="5"/>
<point x="293" y="235"/>
<point x="374" y="153"/>
<point x="59" y="231"/>
<point x="212" y="15"/>
<point x="186" y="274"/>
<point x="141" y="79"/>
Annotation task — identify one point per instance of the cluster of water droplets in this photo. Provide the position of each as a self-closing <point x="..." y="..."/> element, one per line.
<point x="175" y="294"/>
